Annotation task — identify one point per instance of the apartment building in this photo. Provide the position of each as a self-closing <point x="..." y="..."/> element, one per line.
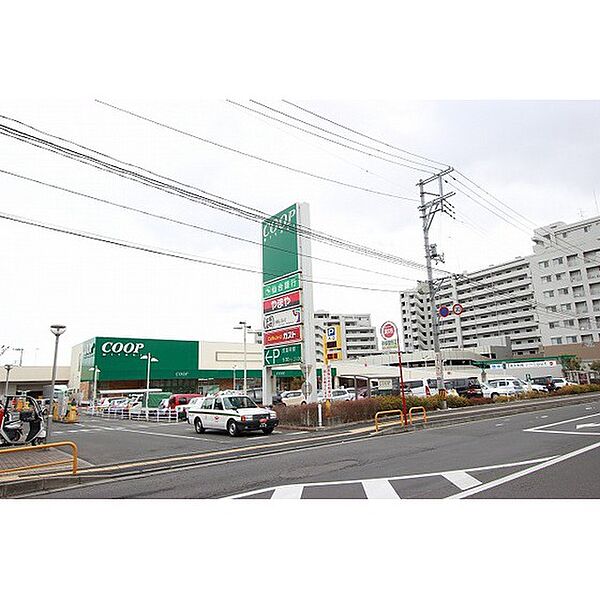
<point x="498" y="305"/>
<point x="565" y="269"/>
<point x="546" y="299"/>
<point x="359" y="337"/>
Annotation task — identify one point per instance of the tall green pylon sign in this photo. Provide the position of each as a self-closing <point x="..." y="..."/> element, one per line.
<point x="288" y="298"/>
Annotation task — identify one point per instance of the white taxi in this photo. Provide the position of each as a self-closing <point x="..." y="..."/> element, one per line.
<point x="233" y="412"/>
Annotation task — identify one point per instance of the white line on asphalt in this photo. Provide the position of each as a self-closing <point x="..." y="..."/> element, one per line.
<point x="379" y="489"/>
<point x="173" y="435"/>
<point x="461" y="479"/>
<point x="401" y="477"/>
<point x="288" y="492"/>
<point x="519" y="474"/>
<point x="561" y="422"/>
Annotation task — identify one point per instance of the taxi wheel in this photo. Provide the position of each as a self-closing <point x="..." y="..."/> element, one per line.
<point x="303" y="403"/>
<point x="268" y="430"/>
<point x="198" y="425"/>
<point x="232" y="428"/>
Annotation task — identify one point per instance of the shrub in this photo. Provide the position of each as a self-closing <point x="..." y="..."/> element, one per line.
<point x="364" y="409"/>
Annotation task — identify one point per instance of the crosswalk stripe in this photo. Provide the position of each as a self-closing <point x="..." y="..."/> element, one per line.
<point x="461" y="479"/>
<point x="379" y="489"/>
<point x="288" y="492"/>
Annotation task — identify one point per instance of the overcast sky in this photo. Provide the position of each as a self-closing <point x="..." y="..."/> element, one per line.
<point x="540" y="157"/>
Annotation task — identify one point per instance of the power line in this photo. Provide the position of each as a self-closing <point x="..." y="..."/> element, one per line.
<point x="365" y="135"/>
<point x="288" y="124"/>
<point x="215" y="201"/>
<point x="192" y="225"/>
<point x="172" y="254"/>
<point x="248" y="155"/>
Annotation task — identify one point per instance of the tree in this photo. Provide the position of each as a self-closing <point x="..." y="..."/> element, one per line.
<point x="573" y="363"/>
<point x="595" y="366"/>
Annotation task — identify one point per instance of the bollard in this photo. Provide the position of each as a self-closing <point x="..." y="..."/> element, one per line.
<point x="320" y="414"/>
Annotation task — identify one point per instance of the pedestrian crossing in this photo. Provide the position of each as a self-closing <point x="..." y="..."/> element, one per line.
<point x="439" y="485"/>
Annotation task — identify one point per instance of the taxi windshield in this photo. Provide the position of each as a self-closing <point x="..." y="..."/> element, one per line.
<point x="238" y="402"/>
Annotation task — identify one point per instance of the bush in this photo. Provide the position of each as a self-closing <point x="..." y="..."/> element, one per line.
<point x="364" y="409"/>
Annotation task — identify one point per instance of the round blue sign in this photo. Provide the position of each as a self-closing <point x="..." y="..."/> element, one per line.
<point x="444" y="311"/>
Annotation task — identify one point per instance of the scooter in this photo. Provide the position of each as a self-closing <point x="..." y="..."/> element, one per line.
<point x="21" y="421"/>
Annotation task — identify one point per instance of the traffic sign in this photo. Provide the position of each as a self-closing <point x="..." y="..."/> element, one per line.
<point x="284" y="355"/>
<point x="283" y="336"/>
<point x="457" y="309"/>
<point x="282" y="302"/>
<point x="444" y="311"/>
<point x="388" y="330"/>
<point x="283" y="318"/>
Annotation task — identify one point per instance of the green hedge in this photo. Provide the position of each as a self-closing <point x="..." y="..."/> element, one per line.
<point x="364" y="409"/>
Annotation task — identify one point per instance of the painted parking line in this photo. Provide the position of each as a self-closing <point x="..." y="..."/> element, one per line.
<point x="461" y="479"/>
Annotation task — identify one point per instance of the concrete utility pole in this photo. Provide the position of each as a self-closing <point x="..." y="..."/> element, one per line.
<point x="7" y="368"/>
<point x="429" y="208"/>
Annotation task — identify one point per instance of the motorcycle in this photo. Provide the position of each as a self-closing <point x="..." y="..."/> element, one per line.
<point x="21" y="421"/>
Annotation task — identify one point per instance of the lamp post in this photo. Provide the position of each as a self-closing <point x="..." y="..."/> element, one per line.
<point x="8" y="368"/>
<point x="234" y="368"/>
<point x="245" y="328"/>
<point x="95" y="387"/>
<point x="151" y="359"/>
<point x="57" y="330"/>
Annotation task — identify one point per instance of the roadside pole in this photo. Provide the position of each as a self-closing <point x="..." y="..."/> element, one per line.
<point x="403" y="394"/>
<point x="8" y="368"/>
<point x="326" y="379"/>
<point x="57" y="330"/>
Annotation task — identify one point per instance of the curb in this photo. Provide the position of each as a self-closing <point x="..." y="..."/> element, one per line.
<point x="42" y="484"/>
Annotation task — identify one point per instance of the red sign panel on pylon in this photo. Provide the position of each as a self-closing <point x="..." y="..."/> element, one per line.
<point x="280" y="337"/>
<point x="281" y="302"/>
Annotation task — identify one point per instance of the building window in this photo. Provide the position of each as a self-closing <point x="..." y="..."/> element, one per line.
<point x="551" y="308"/>
<point x="546" y="279"/>
<point x="557" y="261"/>
<point x="563" y="291"/>
<point x="560" y="276"/>
<point x="571" y="339"/>
<point x="569" y="323"/>
<point x="549" y="294"/>
<point x="566" y="306"/>
<point x="544" y="264"/>
<point x="556" y="340"/>
<point x="588" y="338"/>
<point x="553" y="324"/>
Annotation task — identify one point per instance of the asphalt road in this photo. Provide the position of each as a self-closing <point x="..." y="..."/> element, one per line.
<point x="530" y="455"/>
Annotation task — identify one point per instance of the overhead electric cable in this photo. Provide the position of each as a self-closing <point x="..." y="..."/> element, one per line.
<point x="170" y="253"/>
<point x="192" y="225"/>
<point x="249" y="155"/>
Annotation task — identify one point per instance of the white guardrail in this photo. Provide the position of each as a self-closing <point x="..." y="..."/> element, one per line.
<point x="157" y="415"/>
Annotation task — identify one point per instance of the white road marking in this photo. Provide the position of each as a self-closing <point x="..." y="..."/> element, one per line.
<point x="582" y="425"/>
<point x="379" y="489"/>
<point x="288" y="492"/>
<point x="401" y="477"/>
<point x="499" y="424"/>
<point x="461" y="479"/>
<point x="519" y="474"/>
<point x="536" y="429"/>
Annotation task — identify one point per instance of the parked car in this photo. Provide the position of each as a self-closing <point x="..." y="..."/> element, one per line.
<point x="232" y="412"/>
<point x="178" y="402"/>
<point x="468" y="387"/>
<point x="337" y="394"/>
<point x="292" y="398"/>
<point x="560" y="382"/>
<point x="505" y="387"/>
<point x="419" y="387"/>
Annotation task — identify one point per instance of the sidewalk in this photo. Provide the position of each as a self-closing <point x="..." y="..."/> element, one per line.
<point x="32" y="457"/>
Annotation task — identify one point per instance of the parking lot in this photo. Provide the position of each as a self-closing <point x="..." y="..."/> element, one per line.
<point x="107" y="441"/>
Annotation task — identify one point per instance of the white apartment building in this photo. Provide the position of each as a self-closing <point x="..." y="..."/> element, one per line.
<point x="565" y="269"/>
<point x="359" y="337"/>
<point x="498" y="308"/>
<point x="549" y="298"/>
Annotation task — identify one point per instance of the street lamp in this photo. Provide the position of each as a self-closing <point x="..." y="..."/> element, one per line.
<point x="95" y="388"/>
<point x="151" y="359"/>
<point x="57" y="330"/>
<point x="8" y="368"/>
<point x="245" y="328"/>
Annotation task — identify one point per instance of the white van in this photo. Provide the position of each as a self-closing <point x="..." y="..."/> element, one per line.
<point x="419" y="387"/>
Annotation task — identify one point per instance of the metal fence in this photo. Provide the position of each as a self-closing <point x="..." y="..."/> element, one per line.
<point x="157" y="415"/>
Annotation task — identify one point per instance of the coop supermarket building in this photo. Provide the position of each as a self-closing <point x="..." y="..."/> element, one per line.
<point x="182" y="366"/>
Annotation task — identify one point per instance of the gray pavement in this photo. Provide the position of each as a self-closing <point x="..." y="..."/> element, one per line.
<point x="432" y="463"/>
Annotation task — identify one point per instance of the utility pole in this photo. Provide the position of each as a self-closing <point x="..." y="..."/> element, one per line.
<point x="428" y="209"/>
